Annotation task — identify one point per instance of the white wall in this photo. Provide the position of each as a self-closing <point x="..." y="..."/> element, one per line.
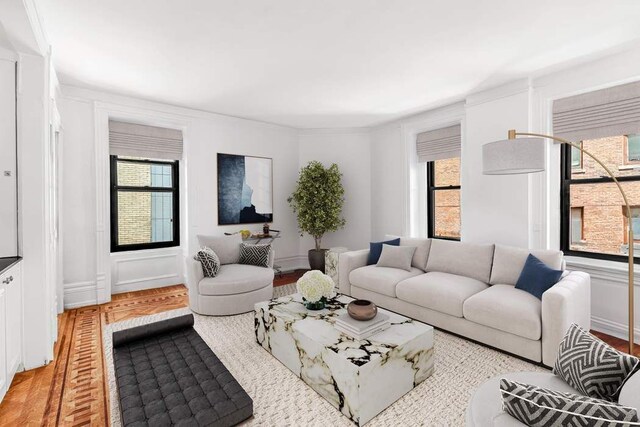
<point x="350" y="150"/>
<point x="205" y="135"/>
<point x="492" y="205"/>
<point x="388" y="164"/>
<point x="8" y="195"/>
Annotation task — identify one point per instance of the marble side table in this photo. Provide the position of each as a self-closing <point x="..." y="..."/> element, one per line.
<point x="331" y="258"/>
<point x="358" y="377"/>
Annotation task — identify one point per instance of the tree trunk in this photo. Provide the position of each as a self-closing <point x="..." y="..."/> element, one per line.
<point x="318" y="240"/>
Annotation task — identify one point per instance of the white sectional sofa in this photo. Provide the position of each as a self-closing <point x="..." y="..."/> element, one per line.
<point x="469" y="289"/>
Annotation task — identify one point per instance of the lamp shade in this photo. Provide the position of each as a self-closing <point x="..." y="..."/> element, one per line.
<point x="513" y="156"/>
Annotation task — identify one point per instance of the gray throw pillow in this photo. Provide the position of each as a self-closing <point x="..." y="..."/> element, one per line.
<point x="591" y="366"/>
<point x="535" y="406"/>
<point x="209" y="261"/>
<point x="257" y="255"/>
<point x="226" y="247"/>
<point x="396" y="257"/>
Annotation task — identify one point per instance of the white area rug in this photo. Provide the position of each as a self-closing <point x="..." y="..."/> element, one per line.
<point x="281" y="399"/>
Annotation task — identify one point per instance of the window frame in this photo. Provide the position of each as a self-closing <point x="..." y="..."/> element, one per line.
<point x="565" y="206"/>
<point x="431" y="207"/>
<point x="581" y="240"/>
<point x="580" y="167"/>
<point x="626" y="159"/>
<point x="625" y="235"/>
<point x="174" y="190"/>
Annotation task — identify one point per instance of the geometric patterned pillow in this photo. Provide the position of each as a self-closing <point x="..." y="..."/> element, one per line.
<point x="209" y="260"/>
<point x="535" y="406"/>
<point x="257" y="255"/>
<point x="592" y="366"/>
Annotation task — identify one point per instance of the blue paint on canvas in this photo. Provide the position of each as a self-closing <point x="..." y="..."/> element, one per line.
<point x="234" y="195"/>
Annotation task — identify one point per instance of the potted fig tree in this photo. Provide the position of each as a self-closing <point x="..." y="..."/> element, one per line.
<point x="317" y="202"/>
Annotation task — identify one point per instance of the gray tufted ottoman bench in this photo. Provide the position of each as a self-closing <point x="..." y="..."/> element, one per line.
<point x="167" y="375"/>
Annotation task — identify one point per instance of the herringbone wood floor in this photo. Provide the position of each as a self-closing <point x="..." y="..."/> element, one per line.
<point x="71" y="391"/>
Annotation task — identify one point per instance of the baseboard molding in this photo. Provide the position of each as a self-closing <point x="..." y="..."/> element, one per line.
<point x="80" y="294"/>
<point x="147" y="283"/>
<point x="612" y="328"/>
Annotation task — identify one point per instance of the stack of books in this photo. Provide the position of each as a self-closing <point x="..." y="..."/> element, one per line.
<point x="361" y="329"/>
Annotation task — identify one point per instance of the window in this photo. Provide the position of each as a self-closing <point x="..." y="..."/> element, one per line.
<point x="443" y="182"/>
<point x="576" y="157"/>
<point x="577" y="225"/>
<point x="144" y="204"/>
<point x="593" y="223"/>
<point x="635" y="223"/>
<point x="633" y="148"/>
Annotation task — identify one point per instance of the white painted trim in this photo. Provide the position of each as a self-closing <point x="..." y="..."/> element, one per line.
<point x="103" y="228"/>
<point x="121" y="283"/>
<point x="140" y="104"/>
<point x="79" y="294"/>
<point x="504" y="91"/>
<point x="615" y="329"/>
<point x="291" y="263"/>
<point x="334" y="131"/>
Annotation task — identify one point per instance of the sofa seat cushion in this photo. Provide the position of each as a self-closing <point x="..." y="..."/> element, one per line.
<point x="507" y="309"/>
<point x="441" y="292"/>
<point x="236" y="279"/>
<point x="382" y="280"/>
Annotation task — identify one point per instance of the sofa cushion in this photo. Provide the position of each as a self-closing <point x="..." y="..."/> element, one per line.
<point x="226" y="247"/>
<point x="421" y="254"/>
<point x="536" y="277"/>
<point x="537" y="406"/>
<point x="396" y="257"/>
<point x="236" y="279"/>
<point x="441" y="292"/>
<point x="382" y="280"/>
<point x="508" y="262"/>
<point x="508" y="309"/>
<point x="463" y="259"/>
<point x="375" y="249"/>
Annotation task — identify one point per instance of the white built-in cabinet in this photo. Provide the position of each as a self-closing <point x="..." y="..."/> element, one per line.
<point x="10" y="325"/>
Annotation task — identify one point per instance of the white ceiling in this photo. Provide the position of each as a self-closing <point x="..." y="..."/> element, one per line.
<point x="323" y="63"/>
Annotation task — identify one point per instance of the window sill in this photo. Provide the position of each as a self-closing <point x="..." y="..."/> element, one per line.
<point x="147" y="252"/>
<point x="629" y="167"/>
<point x="578" y="171"/>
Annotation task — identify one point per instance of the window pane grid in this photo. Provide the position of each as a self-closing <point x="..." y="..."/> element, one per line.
<point x="594" y="218"/>
<point x="144" y="204"/>
<point x="443" y="182"/>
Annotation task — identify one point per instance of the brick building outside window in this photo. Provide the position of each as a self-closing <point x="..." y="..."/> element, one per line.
<point x="596" y="219"/>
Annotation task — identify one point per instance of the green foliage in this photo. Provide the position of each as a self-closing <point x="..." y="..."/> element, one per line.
<point x="318" y="200"/>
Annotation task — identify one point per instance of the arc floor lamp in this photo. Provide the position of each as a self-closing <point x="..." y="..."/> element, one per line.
<point x="526" y="155"/>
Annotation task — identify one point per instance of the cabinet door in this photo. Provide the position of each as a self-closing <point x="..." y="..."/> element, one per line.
<point x="3" y="341"/>
<point x="14" y="320"/>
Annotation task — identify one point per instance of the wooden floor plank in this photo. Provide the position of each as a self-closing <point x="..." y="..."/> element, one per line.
<point x="72" y="390"/>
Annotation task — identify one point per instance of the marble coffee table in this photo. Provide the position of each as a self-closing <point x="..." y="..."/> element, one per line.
<point x="359" y="377"/>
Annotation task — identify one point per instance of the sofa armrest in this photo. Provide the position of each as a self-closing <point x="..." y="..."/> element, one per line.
<point x="567" y="302"/>
<point x="347" y="262"/>
<point x="194" y="276"/>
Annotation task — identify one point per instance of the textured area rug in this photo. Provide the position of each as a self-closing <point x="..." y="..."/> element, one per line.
<point x="281" y="398"/>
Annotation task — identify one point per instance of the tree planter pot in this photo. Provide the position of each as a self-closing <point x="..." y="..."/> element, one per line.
<point x="316" y="259"/>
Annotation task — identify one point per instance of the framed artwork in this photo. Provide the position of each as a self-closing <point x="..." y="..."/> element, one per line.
<point x="245" y="189"/>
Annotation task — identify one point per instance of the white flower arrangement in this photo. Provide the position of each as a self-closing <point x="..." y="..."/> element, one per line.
<point x="314" y="285"/>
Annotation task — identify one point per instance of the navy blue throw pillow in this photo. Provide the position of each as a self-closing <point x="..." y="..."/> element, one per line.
<point x="536" y="277"/>
<point x="375" y="249"/>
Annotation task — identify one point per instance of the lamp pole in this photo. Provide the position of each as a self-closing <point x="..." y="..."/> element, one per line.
<point x="513" y="134"/>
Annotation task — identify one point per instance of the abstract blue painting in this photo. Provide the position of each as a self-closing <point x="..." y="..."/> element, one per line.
<point x="245" y="187"/>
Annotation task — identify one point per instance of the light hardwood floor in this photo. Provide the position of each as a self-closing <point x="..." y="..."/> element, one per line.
<point x="71" y="391"/>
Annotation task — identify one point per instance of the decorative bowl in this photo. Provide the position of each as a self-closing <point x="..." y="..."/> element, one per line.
<point x="362" y="309"/>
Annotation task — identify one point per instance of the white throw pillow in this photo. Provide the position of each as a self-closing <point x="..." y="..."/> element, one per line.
<point x="226" y="247"/>
<point x="396" y="257"/>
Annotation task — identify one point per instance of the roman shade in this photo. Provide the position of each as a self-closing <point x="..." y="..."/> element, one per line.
<point x="439" y="144"/>
<point x="130" y="139"/>
<point x="607" y="112"/>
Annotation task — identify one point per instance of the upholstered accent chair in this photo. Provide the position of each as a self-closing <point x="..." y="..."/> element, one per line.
<point x="236" y="288"/>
